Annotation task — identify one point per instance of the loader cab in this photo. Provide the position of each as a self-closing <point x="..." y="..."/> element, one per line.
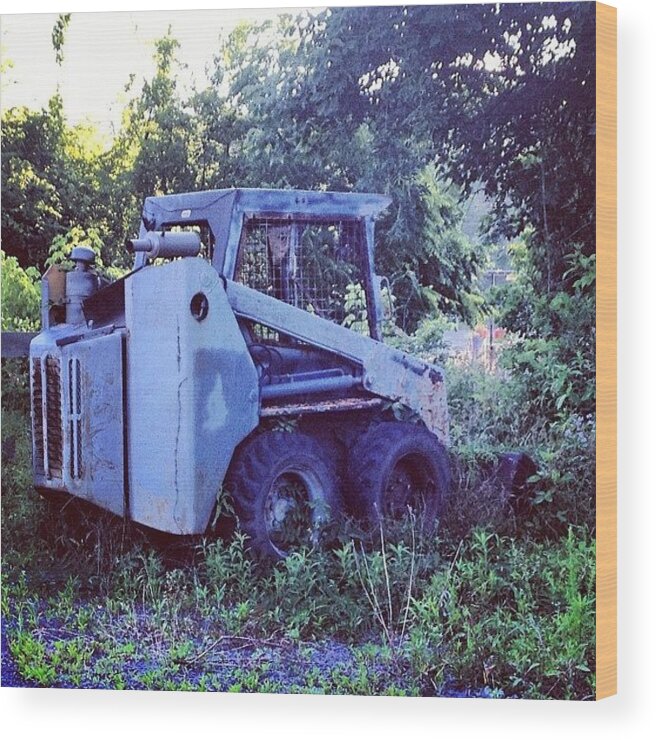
<point x="312" y="250"/>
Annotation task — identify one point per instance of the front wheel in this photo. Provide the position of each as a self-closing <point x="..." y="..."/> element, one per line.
<point x="398" y="468"/>
<point x="285" y="491"/>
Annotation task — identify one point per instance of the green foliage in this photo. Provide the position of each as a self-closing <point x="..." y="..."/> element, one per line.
<point x="355" y="308"/>
<point x="158" y="129"/>
<point x="494" y="413"/>
<point x="50" y="179"/>
<point x="32" y="659"/>
<point x="420" y="247"/>
<point x="565" y="485"/>
<point x="62" y="245"/>
<point x="427" y="341"/>
<point x="497" y="94"/>
<point x="58" y="35"/>
<point x="484" y="618"/>
<point x="60" y="250"/>
<point x="21" y="296"/>
<point x="555" y="349"/>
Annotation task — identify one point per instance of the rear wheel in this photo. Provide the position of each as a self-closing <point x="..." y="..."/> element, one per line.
<point x="513" y="472"/>
<point x="397" y="468"/>
<point x="285" y="491"/>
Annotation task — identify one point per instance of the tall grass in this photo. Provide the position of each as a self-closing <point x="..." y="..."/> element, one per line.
<point x="493" y="603"/>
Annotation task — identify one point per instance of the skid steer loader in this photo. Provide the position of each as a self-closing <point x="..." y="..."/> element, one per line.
<point x="242" y="353"/>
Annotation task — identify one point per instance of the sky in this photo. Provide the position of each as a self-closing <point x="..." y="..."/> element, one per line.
<point x="101" y="51"/>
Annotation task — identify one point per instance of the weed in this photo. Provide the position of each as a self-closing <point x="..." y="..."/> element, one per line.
<point x="496" y="603"/>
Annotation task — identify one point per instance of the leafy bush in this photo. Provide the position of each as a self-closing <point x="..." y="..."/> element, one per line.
<point x="565" y="485"/>
<point x="21" y="296"/>
<point x="554" y="354"/>
<point x="518" y="616"/>
<point x="21" y="303"/>
<point x="60" y="250"/>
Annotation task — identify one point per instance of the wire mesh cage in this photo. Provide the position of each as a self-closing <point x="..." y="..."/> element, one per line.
<point x="318" y="266"/>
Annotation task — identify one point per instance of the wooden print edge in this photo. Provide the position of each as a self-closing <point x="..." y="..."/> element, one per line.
<point x="606" y="309"/>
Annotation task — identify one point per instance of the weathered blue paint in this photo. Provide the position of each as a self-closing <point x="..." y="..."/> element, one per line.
<point x="87" y="437"/>
<point x="192" y="394"/>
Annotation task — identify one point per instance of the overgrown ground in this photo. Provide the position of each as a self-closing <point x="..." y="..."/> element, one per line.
<point x="498" y="604"/>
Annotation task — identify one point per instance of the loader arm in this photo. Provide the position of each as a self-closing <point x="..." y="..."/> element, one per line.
<point x="386" y="372"/>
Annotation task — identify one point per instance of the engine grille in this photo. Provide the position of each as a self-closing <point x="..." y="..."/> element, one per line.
<point x="54" y="432"/>
<point x="75" y="416"/>
<point x="48" y="425"/>
<point x="37" y="416"/>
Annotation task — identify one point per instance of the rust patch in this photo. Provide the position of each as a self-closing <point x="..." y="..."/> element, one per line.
<point x="319" y="407"/>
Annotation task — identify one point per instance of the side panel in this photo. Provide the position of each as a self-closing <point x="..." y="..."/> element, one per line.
<point x="76" y="390"/>
<point x="93" y="421"/>
<point x="192" y="393"/>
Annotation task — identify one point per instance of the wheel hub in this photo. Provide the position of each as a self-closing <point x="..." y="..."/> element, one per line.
<point x="288" y="513"/>
<point x="407" y="489"/>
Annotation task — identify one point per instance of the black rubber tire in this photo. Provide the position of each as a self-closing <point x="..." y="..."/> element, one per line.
<point x="512" y="474"/>
<point x="390" y="452"/>
<point x="262" y="461"/>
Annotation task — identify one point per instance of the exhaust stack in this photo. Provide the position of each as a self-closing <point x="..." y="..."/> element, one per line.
<point x="166" y="244"/>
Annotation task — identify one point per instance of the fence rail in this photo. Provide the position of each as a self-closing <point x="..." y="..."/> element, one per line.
<point x="16" y="343"/>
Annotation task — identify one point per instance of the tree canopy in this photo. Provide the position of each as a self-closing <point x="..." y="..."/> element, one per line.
<point x="424" y="103"/>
